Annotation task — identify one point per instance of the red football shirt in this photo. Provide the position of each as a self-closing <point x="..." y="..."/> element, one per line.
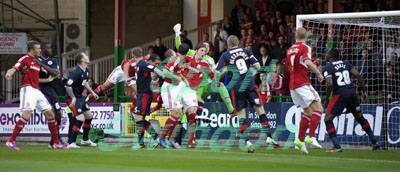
<point x="132" y="65"/>
<point x="195" y="73"/>
<point x="31" y="77"/>
<point x="297" y="54"/>
<point x="174" y="67"/>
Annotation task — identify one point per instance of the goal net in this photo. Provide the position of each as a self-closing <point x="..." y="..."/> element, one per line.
<point x="370" y="41"/>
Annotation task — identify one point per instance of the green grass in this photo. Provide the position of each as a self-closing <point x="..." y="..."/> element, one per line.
<point x="39" y="158"/>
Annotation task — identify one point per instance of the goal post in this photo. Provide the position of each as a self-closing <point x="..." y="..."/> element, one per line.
<point x="370" y="41"/>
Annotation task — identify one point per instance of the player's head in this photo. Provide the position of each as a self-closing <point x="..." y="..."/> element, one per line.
<point x="333" y="55"/>
<point x="183" y="49"/>
<point x="301" y="34"/>
<point x="33" y="48"/>
<point x="136" y="52"/>
<point x="82" y="58"/>
<point x="169" y="53"/>
<point x="233" y="41"/>
<point x="200" y="51"/>
<point x="207" y="45"/>
<point x="46" y="49"/>
<point x="154" y="60"/>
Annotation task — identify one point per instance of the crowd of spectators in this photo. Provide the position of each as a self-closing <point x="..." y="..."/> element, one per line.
<point x="268" y="29"/>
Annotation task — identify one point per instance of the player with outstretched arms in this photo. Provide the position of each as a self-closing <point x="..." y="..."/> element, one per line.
<point x="76" y="83"/>
<point x="30" y="96"/>
<point x="204" y="89"/>
<point x="244" y="92"/>
<point x="301" y="91"/>
<point x="338" y="74"/>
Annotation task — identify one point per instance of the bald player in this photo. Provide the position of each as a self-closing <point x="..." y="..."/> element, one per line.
<point x="303" y="94"/>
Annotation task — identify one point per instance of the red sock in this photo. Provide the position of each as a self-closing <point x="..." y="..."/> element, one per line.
<point x="314" y="122"/>
<point x="17" y="129"/>
<point x="304" y="124"/>
<point x="170" y="123"/>
<point x="192" y="127"/>
<point x="172" y="132"/>
<point x="97" y="91"/>
<point x="133" y="106"/>
<point x="53" y="130"/>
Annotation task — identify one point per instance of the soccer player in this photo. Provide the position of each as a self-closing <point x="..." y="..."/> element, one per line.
<point x="301" y="91"/>
<point x="244" y="92"/>
<point x="46" y="85"/>
<point x="124" y="72"/>
<point x="30" y="95"/>
<point x="170" y="90"/>
<point x="338" y="78"/>
<point x="76" y="83"/>
<point x="145" y="96"/>
<point x="204" y="89"/>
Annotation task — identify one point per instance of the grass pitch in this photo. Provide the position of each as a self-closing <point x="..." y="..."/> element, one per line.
<point x="42" y="159"/>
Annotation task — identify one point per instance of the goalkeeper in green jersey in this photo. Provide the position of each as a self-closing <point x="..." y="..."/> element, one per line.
<point x="204" y="90"/>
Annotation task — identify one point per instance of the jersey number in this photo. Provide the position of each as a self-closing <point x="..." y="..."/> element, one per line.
<point x="343" y="78"/>
<point x="241" y="65"/>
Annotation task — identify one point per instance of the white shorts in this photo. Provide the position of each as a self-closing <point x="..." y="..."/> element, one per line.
<point x="304" y="96"/>
<point x="170" y="95"/>
<point x="117" y="75"/>
<point x="32" y="98"/>
<point x="189" y="97"/>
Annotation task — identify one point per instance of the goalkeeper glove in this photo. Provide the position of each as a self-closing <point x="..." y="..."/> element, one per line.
<point x="177" y="29"/>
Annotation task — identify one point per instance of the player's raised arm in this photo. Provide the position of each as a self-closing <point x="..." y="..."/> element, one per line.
<point x="177" y="29"/>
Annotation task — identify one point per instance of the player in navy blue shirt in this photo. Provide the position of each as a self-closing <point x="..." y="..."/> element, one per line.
<point x="338" y="78"/>
<point x="238" y="62"/>
<point x="76" y="83"/>
<point x="144" y="97"/>
<point x="46" y="84"/>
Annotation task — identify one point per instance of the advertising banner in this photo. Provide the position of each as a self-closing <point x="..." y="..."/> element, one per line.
<point x="103" y="118"/>
<point x="13" y="43"/>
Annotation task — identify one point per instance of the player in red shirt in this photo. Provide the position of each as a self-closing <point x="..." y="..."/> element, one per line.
<point x="124" y="72"/>
<point x="30" y="95"/>
<point x="303" y="94"/>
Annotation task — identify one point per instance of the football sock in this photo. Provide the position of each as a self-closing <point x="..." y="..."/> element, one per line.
<point x="52" y="124"/>
<point x="224" y="94"/>
<point x="140" y="129"/>
<point x="314" y="122"/>
<point x="264" y="121"/>
<point x="72" y="120"/>
<point x="330" y="129"/>
<point x="75" y="130"/>
<point x="150" y="129"/>
<point x="200" y="108"/>
<point x="365" y="125"/>
<point x="304" y="124"/>
<point x="18" y="127"/>
<point x="192" y="127"/>
<point x="170" y="123"/>
<point x="86" y="128"/>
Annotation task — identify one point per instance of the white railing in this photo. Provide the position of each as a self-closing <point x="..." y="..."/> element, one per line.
<point x="10" y="91"/>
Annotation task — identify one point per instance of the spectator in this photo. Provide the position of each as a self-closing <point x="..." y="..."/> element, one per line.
<point x="392" y="87"/>
<point x="237" y="14"/>
<point x="229" y="27"/>
<point x="321" y="43"/>
<point x="257" y="22"/>
<point x="292" y="34"/>
<point x="184" y="39"/>
<point x="282" y="33"/>
<point x="281" y="84"/>
<point x="394" y="64"/>
<point x="260" y="3"/>
<point x="150" y="51"/>
<point x="159" y="48"/>
<point x="265" y="88"/>
<point x="246" y="22"/>
<point x="220" y="37"/>
<point x="277" y="21"/>
<point x="264" y="57"/>
<point x="263" y="35"/>
<point x="364" y="67"/>
<point x="243" y="37"/>
<point x="268" y="16"/>
<point x="279" y="52"/>
<point x="206" y="38"/>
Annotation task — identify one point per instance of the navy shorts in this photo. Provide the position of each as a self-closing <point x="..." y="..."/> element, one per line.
<point x="349" y="100"/>
<point x="51" y="97"/>
<point x="241" y="100"/>
<point x="80" y="106"/>
<point x="143" y="103"/>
